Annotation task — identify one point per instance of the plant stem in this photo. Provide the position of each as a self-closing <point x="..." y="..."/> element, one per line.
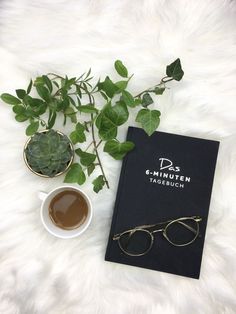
<point x="56" y="75"/>
<point x="91" y="100"/>
<point x="88" y="146"/>
<point x="41" y="120"/>
<point x="162" y="82"/>
<point x="96" y="152"/>
<point x="99" y="143"/>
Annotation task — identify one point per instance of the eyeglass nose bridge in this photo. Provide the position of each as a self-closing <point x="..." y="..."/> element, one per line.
<point x="158" y="230"/>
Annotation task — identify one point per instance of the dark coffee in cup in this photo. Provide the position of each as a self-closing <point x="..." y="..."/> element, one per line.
<point x="68" y="209"/>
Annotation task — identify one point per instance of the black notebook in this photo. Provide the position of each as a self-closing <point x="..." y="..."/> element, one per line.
<point x="165" y="184"/>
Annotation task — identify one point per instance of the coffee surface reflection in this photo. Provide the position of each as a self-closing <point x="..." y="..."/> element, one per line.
<point x="68" y="209"/>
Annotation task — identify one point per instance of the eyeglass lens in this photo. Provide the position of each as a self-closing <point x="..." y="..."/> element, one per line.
<point x="136" y="242"/>
<point x="182" y="232"/>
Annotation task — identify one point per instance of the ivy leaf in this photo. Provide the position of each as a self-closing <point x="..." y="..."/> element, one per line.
<point x="119" y="113"/>
<point x="74" y="137"/>
<point x="149" y="120"/>
<point x="10" y="99"/>
<point x="121" y="69"/>
<point x="71" y="113"/>
<point x="98" y="183"/>
<point x="174" y="70"/>
<point x="32" y="128"/>
<point x="138" y="101"/>
<point x="107" y="131"/>
<point x="159" y="90"/>
<point x="146" y="100"/>
<point x="75" y="174"/>
<point x="108" y="87"/>
<point x="128" y="99"/>
<point x="113" y="115"/>
<point x="80" y="127"/>
<point x="87" y="109"/>
<point x="90" y="169"/>
<point x="118" y="150"/>
<point x="20" y="93"/>
<point x="86" y="159"/>
<point x="77" y="137"/>
<point x="110" y="118"/>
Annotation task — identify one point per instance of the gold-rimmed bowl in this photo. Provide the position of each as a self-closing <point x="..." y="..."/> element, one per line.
<point x="43" y="175"/>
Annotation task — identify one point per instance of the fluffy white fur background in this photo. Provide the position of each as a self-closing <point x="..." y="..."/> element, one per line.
<point x="40" y="274"/>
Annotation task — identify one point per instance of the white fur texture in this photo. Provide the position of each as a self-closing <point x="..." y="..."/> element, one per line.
<point x="40" y="274"/>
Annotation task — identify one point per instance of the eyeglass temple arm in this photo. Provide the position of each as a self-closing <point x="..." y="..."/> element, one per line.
<point x="196" y="218"/>
<point x="117" y="236"/>
<point x="154" y="225"/>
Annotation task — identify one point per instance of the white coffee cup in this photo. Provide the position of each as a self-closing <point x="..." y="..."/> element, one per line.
<point x="47" y="222"/>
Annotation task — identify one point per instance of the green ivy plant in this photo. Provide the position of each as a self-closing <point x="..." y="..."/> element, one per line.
<point x="76" y="100"/>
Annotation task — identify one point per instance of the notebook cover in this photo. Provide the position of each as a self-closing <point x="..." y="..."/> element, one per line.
<point x="144" y="197"/>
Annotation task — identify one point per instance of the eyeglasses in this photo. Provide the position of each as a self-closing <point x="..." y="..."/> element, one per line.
<point x="178" y="232"/>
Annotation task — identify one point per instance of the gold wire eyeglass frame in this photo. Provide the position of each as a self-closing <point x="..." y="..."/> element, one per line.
<point x="156" y="228"/>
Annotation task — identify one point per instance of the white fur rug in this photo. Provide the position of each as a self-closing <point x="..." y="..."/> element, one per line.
<point x="40" y="274"/>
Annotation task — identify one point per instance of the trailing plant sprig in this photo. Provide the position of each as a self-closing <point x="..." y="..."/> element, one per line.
<point x="75" y="99"/>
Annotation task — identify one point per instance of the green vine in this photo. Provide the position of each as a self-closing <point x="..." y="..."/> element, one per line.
<point x="75" y="99"/>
